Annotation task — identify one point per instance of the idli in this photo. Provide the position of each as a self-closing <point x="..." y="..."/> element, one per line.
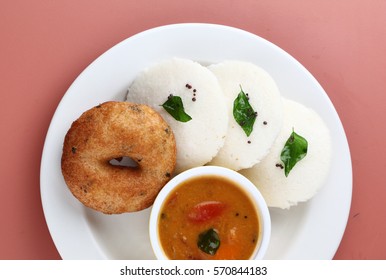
<point x="309" y="174"/>
<point x="241" y="150"/>
<point x="194" y="92"/>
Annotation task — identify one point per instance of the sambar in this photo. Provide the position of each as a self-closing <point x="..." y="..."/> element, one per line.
<point x="208" y="217"/>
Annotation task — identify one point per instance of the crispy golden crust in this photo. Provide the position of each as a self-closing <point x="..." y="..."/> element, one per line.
<point x="112" y="130"/>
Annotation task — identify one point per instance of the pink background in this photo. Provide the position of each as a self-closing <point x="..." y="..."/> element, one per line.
<point x="46" y="44"/>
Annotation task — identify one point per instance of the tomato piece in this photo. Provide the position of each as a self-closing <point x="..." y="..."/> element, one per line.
<point x="205" y="211"/>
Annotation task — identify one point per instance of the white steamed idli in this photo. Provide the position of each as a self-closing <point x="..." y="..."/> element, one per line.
<point x="241" y="151"/>
<point x="309" y="174"/>
<point x="199" y="139"/>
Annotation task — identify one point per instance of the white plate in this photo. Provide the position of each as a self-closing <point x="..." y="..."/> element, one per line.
<point x="312" y="230"/>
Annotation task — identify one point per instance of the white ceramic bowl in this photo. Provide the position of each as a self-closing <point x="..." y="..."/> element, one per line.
<point x="240" y="180"/>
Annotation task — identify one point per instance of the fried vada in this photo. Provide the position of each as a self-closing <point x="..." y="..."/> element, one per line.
<point x="113" y="130"/>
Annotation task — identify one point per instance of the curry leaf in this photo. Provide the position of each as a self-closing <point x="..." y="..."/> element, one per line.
<point x="243" y="112"/>
<point x="295" y="149"/>
<point x="209" y="241"/>
<point x="175" y="108"/>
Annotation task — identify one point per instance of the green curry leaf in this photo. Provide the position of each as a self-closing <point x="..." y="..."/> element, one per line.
<point x="175" y="108"/>
<point x="295" y="149"/>
<point x="243" y="112"/>
<point x="209" y="241"/>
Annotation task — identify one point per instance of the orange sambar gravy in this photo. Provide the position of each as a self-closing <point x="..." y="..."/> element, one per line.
<point x="208" y="217"/>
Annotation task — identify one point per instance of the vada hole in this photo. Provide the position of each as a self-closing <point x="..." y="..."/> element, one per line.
<point x="124" y="162"/>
